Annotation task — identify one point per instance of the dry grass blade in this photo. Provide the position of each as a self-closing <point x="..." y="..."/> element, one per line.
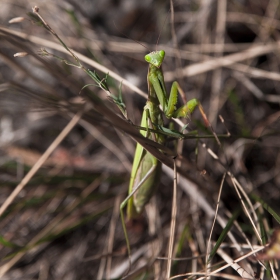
<point x="172" y="224"/>
<point x="59" y="199"/>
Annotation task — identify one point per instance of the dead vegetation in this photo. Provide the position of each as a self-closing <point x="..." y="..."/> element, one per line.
<point x="66" y="153"/>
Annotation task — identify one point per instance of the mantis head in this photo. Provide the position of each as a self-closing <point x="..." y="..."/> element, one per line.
<point x="155" y="58"/>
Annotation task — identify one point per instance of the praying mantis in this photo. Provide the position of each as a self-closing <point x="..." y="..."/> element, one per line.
<point x="146" y="169"/>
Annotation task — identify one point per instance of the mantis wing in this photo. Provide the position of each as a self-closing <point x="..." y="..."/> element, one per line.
<point x="145" y="176"/>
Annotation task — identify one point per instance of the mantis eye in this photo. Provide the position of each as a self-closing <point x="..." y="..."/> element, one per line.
<point x="162" y="54"/>
<point x="148" y="58"/>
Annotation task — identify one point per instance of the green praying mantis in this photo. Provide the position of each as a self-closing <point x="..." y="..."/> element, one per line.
<point x="146" y="169"/>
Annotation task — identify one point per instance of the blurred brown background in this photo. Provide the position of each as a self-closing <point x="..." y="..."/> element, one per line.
<point x="65" y="223"/>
